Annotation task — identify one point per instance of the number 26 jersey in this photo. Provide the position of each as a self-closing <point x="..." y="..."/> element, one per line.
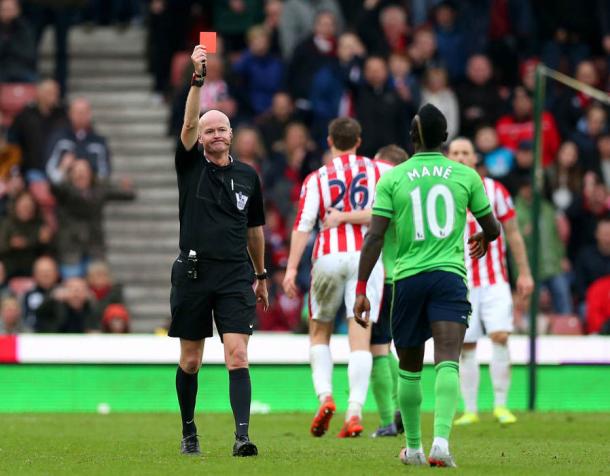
<point x="428" y="197"/>
<point x="347" y="183"/>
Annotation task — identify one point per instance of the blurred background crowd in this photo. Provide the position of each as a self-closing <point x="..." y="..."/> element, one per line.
<point x="283" y="70"/>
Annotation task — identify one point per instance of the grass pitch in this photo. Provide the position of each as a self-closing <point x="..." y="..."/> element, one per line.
<point x="148" y="444"/>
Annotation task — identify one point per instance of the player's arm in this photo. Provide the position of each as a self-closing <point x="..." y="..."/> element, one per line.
<point x="369" y="255"/>
<point x="256" y="250"/>
<point x="525" y="283"/>
<point x="188" y="135"/>
<point x="307" y="216"/>
<point x="335" y="217"/>
<point x="479" y="242"/>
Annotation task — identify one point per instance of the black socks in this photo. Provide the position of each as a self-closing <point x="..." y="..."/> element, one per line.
<point x="186" y="387"/>
<point x="240" y="393"/>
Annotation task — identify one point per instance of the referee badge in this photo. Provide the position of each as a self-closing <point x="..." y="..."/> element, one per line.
<point x="241" y="200"/>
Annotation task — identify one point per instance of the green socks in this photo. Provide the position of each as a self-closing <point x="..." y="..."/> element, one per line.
<point x="409" y="399"/>
<point x="446" y="392"/>
<point x="381" y="381"/>
<point x="393" y="362"/>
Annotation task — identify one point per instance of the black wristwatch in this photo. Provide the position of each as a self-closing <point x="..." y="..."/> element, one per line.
<point x="197" y="80"/>
<point x="262" y="276"/>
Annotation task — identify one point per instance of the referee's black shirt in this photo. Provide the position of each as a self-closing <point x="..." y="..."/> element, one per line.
<point x="217" y="205"/>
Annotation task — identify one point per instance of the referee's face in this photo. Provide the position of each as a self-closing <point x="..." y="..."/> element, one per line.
<point x="215" y="132"/>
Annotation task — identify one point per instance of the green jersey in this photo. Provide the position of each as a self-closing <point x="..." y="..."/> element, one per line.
<point x="388" y="254"/>
<point x="427" y="198"/>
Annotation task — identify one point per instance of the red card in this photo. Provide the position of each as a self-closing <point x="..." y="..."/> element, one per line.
<point x="208" y="39"/>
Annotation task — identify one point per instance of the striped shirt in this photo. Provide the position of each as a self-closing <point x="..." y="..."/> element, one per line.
<point x="491" y="268"/>
<point x="347" y="183"/>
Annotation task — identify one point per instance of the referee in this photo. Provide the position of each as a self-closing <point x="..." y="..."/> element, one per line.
<point x="221" y="230"/>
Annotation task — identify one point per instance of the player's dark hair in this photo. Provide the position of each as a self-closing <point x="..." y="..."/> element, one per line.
<point x="393" y="154"/>
<point x="344" y="132"/>
<point x="431" y="127"/>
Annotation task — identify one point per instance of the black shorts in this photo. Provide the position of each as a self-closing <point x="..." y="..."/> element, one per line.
<point x="381" y="333"/>
<point x="424" y="298"/>
<point x="222" y="292"/>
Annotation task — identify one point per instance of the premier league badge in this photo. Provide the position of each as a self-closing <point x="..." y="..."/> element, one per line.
<point x="241" y="200"/>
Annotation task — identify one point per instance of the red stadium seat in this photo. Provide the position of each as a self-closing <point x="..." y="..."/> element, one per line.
<point x="565" y="325"/>
<point x="21" y="285"/>
<point x="179" y="61"/>
<point x="13" y="97"/>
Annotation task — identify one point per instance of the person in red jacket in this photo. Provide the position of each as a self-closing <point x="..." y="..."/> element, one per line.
<point x="519" y="126"/>
<point x="598" y="307"/>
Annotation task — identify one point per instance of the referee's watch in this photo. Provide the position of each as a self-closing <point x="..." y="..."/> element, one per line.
<point x="262" y="276"/>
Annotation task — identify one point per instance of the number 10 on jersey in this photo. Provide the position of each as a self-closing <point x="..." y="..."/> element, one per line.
<point x="437" y="192"/>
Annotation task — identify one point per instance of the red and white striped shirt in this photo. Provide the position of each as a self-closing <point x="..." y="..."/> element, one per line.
<point x="491" y="268"/>
<point x="347" y="183"/>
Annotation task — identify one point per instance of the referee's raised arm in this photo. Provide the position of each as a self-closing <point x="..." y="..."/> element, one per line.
<point x="188" y="135"/>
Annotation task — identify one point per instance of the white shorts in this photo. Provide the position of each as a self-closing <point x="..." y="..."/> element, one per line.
<point x="492" y="311"/>
<point x="333" y="280"/>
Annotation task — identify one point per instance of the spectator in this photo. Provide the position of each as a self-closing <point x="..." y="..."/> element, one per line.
<point x="78" y="142"/>
<point x="233" y="18"/>
<point x="571" y="106"/>
<point x="80" y="203"/>
<point x="423" y="51"/>
<point x="524" y="161"/>
<point x="102" y="286"/>
<point x="298" y="18"/>
<point x="480" y="101"/>
<point x="17" y="45"/>
<point x="403" y="80"/>
<point x="451" y="39"/>
<point x="330" y="90"/>
<point x="46" y="277"/>
<point x="551" y="259"/>
<point x="259" y="73"/>
<point x="589" y="129"/>
<point x="498" y="160"/>
<point x="10" y="154"/>
<point x="598" y="307"/>
<point x="437" y="92"/>
<point x="272" y="124"/>
<point x="564" y="177"/>
<point x="584" y="213"/>
<point x="34" y="126"/>
<point x="271" y="23"/>
<point x="603" y="149"/>
<point x="593" y="261"/>
<point x="69" y="309"/>
<point x="116" y="320"/>
<point x="248" y="147"/>
<point x="4" y="289"/>
<point x="10" y="316"/>
<point x="314" y="52"/>
<point x="384" y="30"/>
<point x="285" y="176"/>
<point x="518" y="126"/>
<point x="10" y="187"/>
<point x="383" y="115"/>
<point x="23" y="236"/>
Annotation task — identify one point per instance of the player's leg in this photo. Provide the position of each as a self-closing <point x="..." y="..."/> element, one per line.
<point x="325" y="299"/>
<point x="469" y="366"/>
<point x="497" y="316"/>
<point x="410" y="330"/>
<point x="191" y="353"/>
<point x="448" y="310"/>
<point x="382" y="383"/>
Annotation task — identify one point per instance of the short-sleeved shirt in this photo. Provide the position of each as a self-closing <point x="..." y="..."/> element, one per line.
<point x="217" y="205"/>
<point x="427" y="197"/>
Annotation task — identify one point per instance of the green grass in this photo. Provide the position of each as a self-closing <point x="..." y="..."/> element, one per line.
<point x="147" y="444"/>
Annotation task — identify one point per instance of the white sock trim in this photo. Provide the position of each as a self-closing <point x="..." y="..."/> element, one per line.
<point x="441" y="443"/>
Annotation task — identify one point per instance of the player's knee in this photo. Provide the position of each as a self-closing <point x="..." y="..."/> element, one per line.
<point x="499" y="338"/>
<point x="190" y="364"/>
<point x="237" y="358"/>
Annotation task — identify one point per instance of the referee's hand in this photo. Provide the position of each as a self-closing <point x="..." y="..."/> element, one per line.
<point x="362" y="310"/>
<point x="260" y="291"/>
<point x="199" y="58"/>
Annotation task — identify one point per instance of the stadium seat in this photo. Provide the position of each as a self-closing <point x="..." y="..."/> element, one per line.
<point x="179" y="61"/>
<point x="563" y="325"/>
<point x="13" y="97"/>
<point x="21" y="285"/>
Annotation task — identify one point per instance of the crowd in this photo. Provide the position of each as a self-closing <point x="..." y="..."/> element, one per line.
<point x="285" y="68"/>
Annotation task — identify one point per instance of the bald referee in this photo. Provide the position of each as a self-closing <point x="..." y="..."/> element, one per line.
<point x="221" y="234"/>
